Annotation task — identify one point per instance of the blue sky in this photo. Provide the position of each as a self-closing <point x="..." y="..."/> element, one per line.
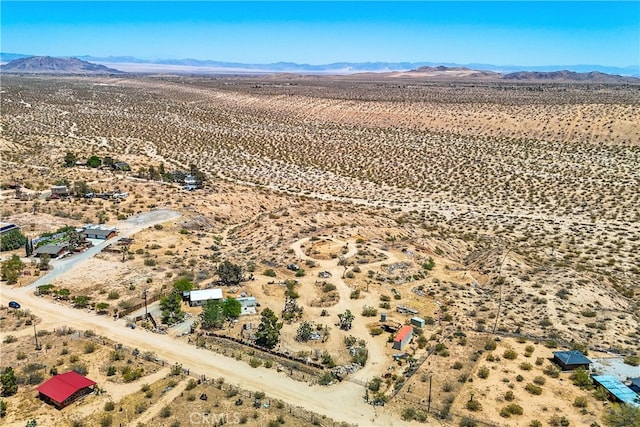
<point x="502" y="32"/>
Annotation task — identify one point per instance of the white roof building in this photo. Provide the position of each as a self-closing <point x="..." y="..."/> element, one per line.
<point x="201" y="296"/>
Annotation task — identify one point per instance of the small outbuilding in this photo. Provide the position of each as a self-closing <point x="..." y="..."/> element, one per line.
<point x="570" y="360"/>
<point x="418" y="321"/>
<point x="59" y="190"/>
<point x="248" y="304"/>
<point x="199" y="297"/>
<point x="62" y="390"/>
<point x="403" y="337"/>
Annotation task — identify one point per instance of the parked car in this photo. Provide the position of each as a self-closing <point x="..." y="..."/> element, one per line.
<point x="14" y="304"/>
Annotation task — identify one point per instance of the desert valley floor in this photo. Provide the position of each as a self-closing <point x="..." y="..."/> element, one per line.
<point x="503" y="214"/>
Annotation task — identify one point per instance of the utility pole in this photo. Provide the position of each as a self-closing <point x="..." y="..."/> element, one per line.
<point x="35" y="335"/>
<point x="144" y="295"/>
<point x="429" y="402"/>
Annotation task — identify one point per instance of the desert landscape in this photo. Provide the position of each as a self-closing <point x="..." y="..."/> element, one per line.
<point x="502" y="214"/>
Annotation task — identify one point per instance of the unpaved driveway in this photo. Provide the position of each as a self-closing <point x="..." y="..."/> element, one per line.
<point x="126" y="228"/>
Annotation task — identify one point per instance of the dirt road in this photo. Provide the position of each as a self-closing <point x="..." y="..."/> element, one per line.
<point x="343" y="402"/>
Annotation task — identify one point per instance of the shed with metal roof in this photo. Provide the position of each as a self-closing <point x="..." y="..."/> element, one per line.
<point x="617" y="390"/>
<point x="403" y="337"/>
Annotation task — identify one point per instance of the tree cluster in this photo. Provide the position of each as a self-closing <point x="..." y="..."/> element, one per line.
<point x="268" y="333"/>
<point x="216" y="312"/>
<point x="11" y="269"/>
<point x="229" y="273"/>
<point x="14" y="239"/>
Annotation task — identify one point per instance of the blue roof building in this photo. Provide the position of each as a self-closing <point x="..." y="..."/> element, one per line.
<point x="617" y="389"/>
<point x="569" y="360"/>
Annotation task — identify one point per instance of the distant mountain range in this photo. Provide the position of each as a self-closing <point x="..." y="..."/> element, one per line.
<point x="51" y="65"/>
<point x="92" y="65"/>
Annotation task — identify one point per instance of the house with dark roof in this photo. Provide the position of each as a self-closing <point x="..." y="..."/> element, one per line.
<point x="98" y="233"/>
<point x="403" y="337"/>
<point x="62" y="390"/>
<point x="570" y="360"/>
<point x="54" y="250"/>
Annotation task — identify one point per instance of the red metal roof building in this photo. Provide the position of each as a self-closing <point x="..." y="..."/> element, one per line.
<point x="61" y="390"/>
<point x="403" y="337"/>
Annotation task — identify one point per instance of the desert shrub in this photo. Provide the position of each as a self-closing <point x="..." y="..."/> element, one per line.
<point x="254" y="362"/>
<point x="165" y="412"/>
<point x="374" y="384"/>
<point x="581" y="378"/>
<point x="269" y="272"/>
<point x="632" y="360"/>
<point x="483" y="372"/>
<point x="621" y="415"/>
<point x="191" y="384"/>
<point x="533" y="389"/>
<point x="473" y="405"/>
<point x="457" y="365"/>
<point x="510" y="354"/>
<point x="328" y="287"/>
<point x="106" y="420"/>
<point x="368" y="311"/>
<point x="539" y="380"/>
<point x="231" y="392"/>
<point x="129" y="374"/>
<point x="552" y="371"/>
<point x="511" y="409"/>
<point x="325" y="379"/>
<point x="526" y="366"/>
<point x="408" y="413"/>
<point x="468" y="422"/>
<point x="580" y="402"/>
<point x="509" y="396"/>
<point x="557" y="421"/>
<point x="490" y="345"/>
<point x="109" y="406"/>
<point x="601" y="394"/>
